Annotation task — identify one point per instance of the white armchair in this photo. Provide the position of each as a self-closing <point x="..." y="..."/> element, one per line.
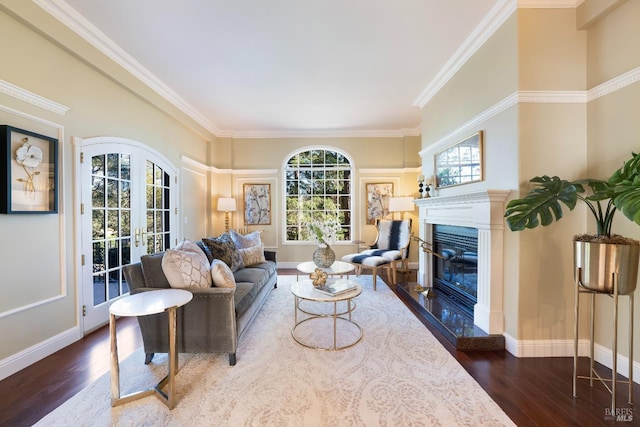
<point x="391" y="247"/>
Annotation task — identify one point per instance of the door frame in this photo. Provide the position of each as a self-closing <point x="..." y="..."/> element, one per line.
<point x="78" y="145"/>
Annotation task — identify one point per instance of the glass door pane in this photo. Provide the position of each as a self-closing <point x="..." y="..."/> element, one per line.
<point x="111" y="224"/>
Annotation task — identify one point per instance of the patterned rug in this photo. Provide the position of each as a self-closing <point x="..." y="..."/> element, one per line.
<point x="397" y="375"/>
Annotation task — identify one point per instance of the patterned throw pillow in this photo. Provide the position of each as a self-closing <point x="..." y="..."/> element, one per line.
<point x="189" y="246"/>
<point x="224" y="249"/>
<point x="221" y="275"/>
<point x="252" y="256"/>
<point x="185" y="269"/>
<point x="245" y="241"/>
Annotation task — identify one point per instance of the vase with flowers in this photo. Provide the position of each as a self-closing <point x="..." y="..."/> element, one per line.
<point x="324" y="233"/>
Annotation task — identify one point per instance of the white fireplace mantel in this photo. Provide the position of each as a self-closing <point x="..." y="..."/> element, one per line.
<point x="483" y="210"/>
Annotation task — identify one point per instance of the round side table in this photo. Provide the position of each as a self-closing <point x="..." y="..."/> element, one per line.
<point x="145" y="304"/>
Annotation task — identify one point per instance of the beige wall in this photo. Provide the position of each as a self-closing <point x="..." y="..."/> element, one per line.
<point x="260" y="161"/>
<point x="613" y="46"/>
<point x="546" y="132"/>
<point x="613" y="43"/>
<point x="38" y="292"/>
<point x="551" y="57"/>
<point x="487" y="77"/>
<point x="551" y="52"/>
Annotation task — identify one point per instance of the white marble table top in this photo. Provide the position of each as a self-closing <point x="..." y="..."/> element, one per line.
<point x="151" y="302"/>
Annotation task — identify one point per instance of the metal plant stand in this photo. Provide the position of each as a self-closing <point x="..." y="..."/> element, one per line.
<point x="593" y="375"/>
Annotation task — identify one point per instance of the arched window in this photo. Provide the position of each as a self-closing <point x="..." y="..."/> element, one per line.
<point x="318" y="185"/>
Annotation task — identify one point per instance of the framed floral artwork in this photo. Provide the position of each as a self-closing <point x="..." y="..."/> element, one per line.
<point x="257" y="204"/>
<point x="29" y="183"/>
<point x="378" y="200"/>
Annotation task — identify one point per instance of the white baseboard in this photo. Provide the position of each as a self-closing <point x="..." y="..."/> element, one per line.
<point x="564" y="348"/>
<point x="31" y="355"/>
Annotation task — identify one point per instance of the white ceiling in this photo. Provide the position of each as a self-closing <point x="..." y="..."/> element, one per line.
<point x="287" y="67"/>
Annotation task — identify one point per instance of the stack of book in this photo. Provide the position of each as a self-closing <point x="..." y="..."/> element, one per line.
<point x="336" y="288"/>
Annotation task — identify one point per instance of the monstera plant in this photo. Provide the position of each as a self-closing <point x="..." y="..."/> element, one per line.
<point x="543" y="205"/>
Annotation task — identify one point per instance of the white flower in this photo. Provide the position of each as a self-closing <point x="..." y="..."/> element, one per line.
<point x="324" y="232"/>
<point x="29" y="155"/>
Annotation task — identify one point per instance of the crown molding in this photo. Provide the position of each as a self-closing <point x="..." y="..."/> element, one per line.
<point x="188" y="161"/>
<point x="498" y="14"/>
<point x="327" y="134"/>
<point x="552" y="97"/>
<point x="32" y="98"/>
<point x="548" y="4"/>
<point x="616" y="83"/>
<point x="64" y="13"/>
<point x="370" y="171"/>
<point x="472" y="124"/>
<point x="539" y="97"/>
<point x="491" y="22"/>
<point x="68" y="16"/>
<point x="254" y="171"/>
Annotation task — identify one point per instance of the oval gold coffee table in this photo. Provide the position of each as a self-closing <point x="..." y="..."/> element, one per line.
<point x="304" y="290"/>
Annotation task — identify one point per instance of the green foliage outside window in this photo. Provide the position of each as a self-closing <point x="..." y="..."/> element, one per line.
<point x="318" y="188"/>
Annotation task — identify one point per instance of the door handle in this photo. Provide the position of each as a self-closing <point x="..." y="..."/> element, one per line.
<point x="137" y="237"/>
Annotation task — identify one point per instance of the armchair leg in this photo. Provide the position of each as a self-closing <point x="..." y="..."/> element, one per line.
<point x="148" y="357"/>
<point x="395" y="273"/>
<point x="232" y="359"/>
<point x="374" y="274"/>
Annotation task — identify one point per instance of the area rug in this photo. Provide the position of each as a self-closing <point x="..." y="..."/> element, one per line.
<point x="397" y="375"/>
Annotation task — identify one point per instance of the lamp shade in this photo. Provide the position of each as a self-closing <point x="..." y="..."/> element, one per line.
<point x="227" y="204"/>
<point x="401" y="204"/>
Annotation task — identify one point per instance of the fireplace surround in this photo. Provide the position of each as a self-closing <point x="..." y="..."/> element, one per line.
<point x="481" y="210"/>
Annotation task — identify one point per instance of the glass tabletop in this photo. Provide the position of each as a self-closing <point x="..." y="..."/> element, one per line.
<point x="304" y="289"/>
<point x="338" y="267"/>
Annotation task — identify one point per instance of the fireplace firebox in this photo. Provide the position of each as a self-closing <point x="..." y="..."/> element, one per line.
<point x="455" y="275"/>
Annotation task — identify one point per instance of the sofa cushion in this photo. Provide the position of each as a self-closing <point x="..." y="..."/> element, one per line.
<point x="152" y="270"/>
<point x="258" y="274"/>
<point x="244" y="296"/>
<point x="269" y="267"/>
<point x="252" y="255"/>
<point x="222" y="275"/>
<point x="245" y="241"/>
<point x="186" y="269"/>
<point x="224" y="249"/>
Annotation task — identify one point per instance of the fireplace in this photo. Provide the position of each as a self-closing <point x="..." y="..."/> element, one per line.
<point x="455" y="274"/>
<point x="483" y="212"/>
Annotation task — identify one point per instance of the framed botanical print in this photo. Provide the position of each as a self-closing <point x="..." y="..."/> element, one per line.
<point x="257" y="204"/>
<point x="378" y="200"/>
<point x="29" y="183"/>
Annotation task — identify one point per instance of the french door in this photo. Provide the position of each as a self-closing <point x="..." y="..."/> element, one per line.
<point x="127" y="210"/>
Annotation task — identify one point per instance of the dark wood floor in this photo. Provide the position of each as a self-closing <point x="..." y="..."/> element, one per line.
<point x="532" y="391"/>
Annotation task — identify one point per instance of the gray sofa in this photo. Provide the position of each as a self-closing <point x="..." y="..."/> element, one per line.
<point x="215" y="318"/>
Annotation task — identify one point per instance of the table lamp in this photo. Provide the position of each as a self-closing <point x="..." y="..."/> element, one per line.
<point x="401" y="204"/>
<point x="226" y="205"/>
